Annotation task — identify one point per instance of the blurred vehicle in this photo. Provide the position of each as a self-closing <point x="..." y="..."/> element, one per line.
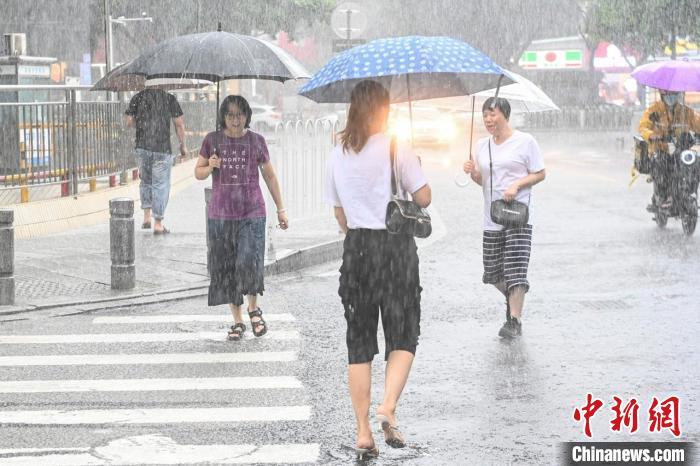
<point x="431" y="126"/>
<point x="265" y="117"/>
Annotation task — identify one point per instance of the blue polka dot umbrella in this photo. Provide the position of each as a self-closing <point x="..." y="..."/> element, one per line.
<point x="410" y="68"/>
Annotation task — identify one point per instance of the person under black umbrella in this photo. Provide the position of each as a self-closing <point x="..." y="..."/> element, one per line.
<point x="233" y="156"/>
<point x="150" y="112"/>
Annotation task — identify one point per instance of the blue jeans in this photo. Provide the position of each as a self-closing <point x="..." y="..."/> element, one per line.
<point x="154" y="171"/>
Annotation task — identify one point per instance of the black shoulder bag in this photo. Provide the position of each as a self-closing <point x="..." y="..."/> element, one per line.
<point x="405" y="217"/>
<point x="510" y="214"/>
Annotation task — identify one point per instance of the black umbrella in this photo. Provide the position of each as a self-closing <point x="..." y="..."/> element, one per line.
<point x="212" y="56"/>
<point x="120" y="79"/>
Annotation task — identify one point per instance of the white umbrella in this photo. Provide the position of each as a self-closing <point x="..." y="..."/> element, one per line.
<point x="523" y="95"/>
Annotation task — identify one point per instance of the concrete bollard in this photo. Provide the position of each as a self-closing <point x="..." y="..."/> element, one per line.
<point x="65" y="184"/>
<point x="7" y="257"/>
<point x="121" y="243"/>
<point x="207" y="198"/>
<point x="24" y="194"/>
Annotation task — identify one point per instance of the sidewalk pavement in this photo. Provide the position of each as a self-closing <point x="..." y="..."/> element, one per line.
<point x="69" y="272"/>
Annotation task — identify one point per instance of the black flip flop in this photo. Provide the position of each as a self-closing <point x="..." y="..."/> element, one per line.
<point x="164" y="231"/>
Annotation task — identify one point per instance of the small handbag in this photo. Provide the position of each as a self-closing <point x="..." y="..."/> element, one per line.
<point x="510" y="214"/>
<point x="405" y="217"/>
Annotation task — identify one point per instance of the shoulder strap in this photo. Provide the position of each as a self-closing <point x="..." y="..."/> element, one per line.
<point x="491" y="170"/>
<point x="392" y="156"/>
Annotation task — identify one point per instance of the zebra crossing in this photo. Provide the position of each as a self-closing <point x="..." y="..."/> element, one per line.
<point x="182" y="379"/>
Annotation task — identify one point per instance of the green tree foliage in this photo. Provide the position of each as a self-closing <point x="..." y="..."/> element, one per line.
<point x="643" y="26"/>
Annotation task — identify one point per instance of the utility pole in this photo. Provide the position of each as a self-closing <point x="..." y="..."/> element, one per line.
<point x="198" y="10"/>
<point x="108" y="36"/>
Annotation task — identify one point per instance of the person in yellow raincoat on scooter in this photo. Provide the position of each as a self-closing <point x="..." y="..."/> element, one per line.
<point x="662" y="121"/>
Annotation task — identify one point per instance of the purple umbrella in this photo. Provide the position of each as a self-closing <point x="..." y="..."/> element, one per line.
<point x="672" y="75"/>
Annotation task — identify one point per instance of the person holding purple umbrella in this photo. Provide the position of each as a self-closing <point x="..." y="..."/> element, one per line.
<point x="665" y="119"/>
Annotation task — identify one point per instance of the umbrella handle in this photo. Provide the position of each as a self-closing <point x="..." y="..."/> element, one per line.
<point x="498" y="86"/>
<point x="471" y="131"/>
<point x="461" y="179"/>
<point x="217" y="103"/>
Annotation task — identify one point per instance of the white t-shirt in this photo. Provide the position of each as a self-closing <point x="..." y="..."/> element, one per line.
<point x="513" y="159"/>
<point x="360" y="183"/>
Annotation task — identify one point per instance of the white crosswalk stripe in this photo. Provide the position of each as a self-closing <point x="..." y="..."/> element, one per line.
<point x="137" y="385"/>
<point x="140" y="375"/>
<point x="145" y="358"/>
<point x="130" y="337"/>
<point x="156" y="416"/>
<point x="173" y="318"/>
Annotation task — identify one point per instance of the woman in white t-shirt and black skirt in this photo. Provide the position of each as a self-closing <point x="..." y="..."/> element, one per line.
<point x="517" y="166"/>
<point x="380" y="270"/>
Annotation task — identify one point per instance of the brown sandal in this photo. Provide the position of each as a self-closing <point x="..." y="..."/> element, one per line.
<point x="256" y="324"/>
<point x="236" y="332"/>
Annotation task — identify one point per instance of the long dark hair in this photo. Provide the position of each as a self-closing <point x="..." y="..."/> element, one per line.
<point x="366" y="100"/>
<point x="240" y="102"/>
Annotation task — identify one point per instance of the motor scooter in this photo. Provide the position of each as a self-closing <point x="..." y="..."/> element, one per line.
<point x="678" y="171"/>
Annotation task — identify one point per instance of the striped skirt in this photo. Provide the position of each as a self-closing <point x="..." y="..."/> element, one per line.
<point x="507" y="256"/>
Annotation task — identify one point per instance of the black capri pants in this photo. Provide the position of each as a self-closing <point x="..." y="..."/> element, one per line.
<point x="379" y="274"/>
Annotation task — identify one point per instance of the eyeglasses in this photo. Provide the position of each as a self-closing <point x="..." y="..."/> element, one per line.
<point x="234" y="115"/>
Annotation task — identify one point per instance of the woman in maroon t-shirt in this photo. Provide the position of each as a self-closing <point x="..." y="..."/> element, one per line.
<point x="236" y="217"/>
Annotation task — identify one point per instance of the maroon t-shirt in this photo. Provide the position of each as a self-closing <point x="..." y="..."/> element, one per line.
<point x="236" y="193"/>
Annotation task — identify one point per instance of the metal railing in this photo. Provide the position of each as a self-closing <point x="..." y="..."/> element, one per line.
<point x="66" y="144"/>
<point x="59" y="145"/>
<point x="299" y="151"/>
<point x="65" y="147"/>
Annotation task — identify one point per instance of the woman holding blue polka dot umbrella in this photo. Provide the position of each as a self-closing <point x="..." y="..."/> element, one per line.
<point x="380" y="271"/>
